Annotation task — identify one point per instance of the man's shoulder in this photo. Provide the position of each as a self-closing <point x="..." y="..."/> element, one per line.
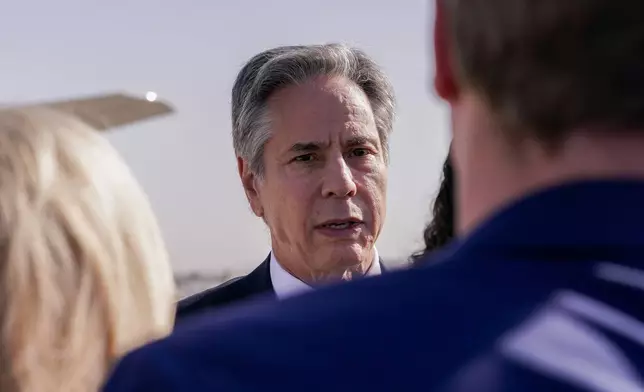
<point x="227" y="293"/>
<point x="211" y="297"/>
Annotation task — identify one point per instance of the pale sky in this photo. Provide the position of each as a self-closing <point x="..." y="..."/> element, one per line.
<point x="189" y="53"/>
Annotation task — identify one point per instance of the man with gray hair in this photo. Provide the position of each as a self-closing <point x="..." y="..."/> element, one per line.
<point x="310" y="130"/>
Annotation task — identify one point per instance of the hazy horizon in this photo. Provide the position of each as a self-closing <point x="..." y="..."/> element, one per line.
<point x="189" y="53"/>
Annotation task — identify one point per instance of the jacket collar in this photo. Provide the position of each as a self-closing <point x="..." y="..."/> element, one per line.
<point x="572" y="221"/>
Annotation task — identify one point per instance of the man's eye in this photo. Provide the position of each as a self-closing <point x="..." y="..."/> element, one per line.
<point x="304" y="158"/>
<point x="360" y="152"/>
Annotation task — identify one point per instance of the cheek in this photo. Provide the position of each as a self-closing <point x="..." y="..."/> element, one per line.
<point x="290" y="204"/>
<point x="375" y="186"/>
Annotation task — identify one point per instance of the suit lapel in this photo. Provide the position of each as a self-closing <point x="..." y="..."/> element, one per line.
<point x="383" y="268"/>
<point x="259" y="281"/>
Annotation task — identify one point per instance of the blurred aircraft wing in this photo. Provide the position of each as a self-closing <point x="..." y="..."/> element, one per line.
<point x="104" y="112"/>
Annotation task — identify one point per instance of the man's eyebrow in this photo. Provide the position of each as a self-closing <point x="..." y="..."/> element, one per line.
<point x="361" y="141"/>
<point x="305" y="147"/>
<point x="317" y="146"/>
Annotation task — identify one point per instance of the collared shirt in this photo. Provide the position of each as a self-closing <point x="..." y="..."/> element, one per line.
<point x="285" y="284"/>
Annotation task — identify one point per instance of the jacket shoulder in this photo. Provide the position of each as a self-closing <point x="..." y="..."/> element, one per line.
<point x="213" y="297"/>
<point x="233" y="290"/>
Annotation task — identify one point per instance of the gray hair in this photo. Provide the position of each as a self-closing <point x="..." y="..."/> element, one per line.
<point x="276" y="68"/>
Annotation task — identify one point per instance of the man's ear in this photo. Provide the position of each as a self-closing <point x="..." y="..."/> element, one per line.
<point x="249" y="182"/>
<point x="444" y="79"/>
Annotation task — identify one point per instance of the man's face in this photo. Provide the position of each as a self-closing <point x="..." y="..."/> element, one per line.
<point x="324" y="186"/>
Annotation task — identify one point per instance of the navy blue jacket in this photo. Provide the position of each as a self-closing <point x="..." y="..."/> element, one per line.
<point x="254" y="285"/>
<point x="548" y="295"/>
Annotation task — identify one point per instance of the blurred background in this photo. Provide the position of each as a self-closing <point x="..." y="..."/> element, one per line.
<point x="188" y="53"/>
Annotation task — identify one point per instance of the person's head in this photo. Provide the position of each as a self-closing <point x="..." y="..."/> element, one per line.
<point x="541" y="92"/>
<point x="311" y="128"/>
<point x="84" y="274"/>
<point x="440" y="230"/>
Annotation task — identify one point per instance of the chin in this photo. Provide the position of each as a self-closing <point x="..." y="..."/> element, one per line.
<point x="350" y="254"/>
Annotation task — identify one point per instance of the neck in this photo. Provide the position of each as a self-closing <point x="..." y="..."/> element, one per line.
<point x="583" y="156"/>
<point x="313" y="273"/>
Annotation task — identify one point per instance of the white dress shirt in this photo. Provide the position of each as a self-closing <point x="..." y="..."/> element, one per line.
<point x="285" y="284"/>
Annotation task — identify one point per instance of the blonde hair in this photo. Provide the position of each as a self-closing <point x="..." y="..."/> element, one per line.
<point x="83" y="269"/>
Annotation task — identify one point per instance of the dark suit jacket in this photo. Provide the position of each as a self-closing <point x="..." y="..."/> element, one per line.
<point x="242" y="288"/>
<point x="545" y="296"/>
<point x="257" y="283"/>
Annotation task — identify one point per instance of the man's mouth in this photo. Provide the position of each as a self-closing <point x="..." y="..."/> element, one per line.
<point x="340" y="224"/>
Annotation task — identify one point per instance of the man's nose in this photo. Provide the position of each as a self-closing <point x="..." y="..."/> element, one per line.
<point x="338" y="179"/>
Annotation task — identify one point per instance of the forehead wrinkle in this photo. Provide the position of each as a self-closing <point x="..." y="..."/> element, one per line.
<point x="353" y="99"/>
<point x="358" y="106"/>
<point x="347" y="107"/>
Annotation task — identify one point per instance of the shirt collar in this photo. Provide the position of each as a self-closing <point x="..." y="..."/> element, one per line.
<point x="285" y="284"/>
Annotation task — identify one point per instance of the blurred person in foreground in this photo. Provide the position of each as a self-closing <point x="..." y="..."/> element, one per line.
<point x="543" y="290"/>
<point x="84" y="272"/>
<point x="440" y="229"/>
<point x="311" y="128"/>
